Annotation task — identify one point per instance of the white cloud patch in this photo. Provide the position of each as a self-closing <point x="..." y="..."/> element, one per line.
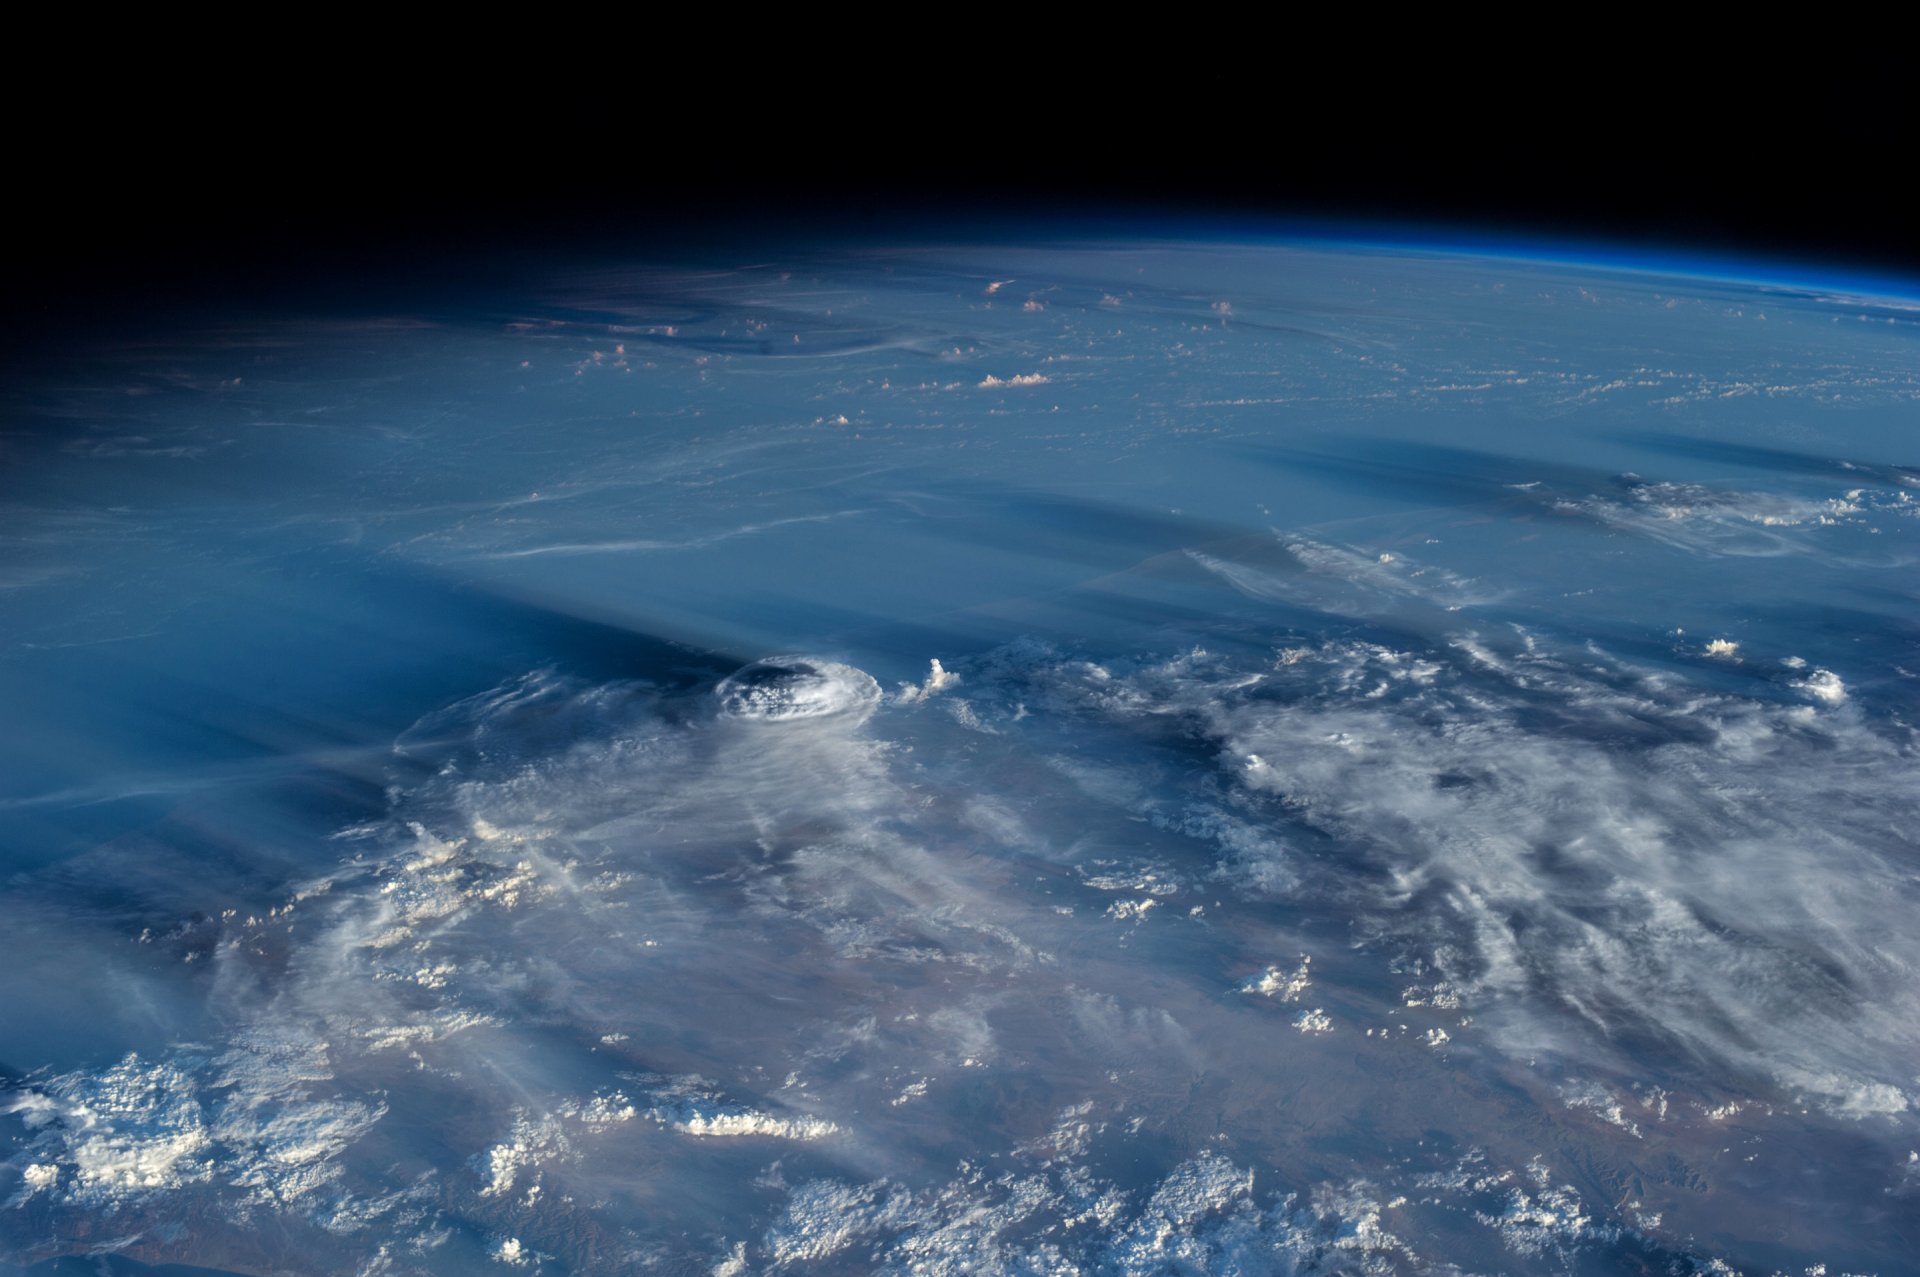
<point x="1706" y="520"/>
<point x="504" y="1166"/>
<point x="258" y="1119"/>
<point x="692" y="1106"/>
<point x="1824" y="686"/>
<point x="1344" y="580"/>
<point x="512" y="1252"/>
<point x="1549" y="1220"/>
<point x="1498" y="822"/>
<point x="1603" y="1104"/>
<point x="785" y="688"/>
<point x="1585" y="845"/>
<point x="132" y="1130"/>
<point x="1287" y="986"/>
<point x="939" y="679"/>
<point x="577" y="874"/>
<point x="1205" y="1214"/>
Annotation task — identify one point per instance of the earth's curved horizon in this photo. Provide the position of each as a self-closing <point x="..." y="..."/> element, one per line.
<point x="1106" y="757"/>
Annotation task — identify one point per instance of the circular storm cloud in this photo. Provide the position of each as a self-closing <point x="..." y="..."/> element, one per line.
<point x="787" y="688"/>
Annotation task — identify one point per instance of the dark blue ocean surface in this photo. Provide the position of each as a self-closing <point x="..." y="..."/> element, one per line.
<point x="1099" y="758"/>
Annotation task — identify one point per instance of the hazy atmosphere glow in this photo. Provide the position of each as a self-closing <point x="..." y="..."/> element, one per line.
<point x="1118" y="758"/>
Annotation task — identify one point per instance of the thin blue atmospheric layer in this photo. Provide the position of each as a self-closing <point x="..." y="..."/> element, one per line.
<point x="1104" y="756"/>
<point x="1835" y="279"/>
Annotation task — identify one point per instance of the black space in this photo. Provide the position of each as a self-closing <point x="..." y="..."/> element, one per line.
<point x="195" y="195"/>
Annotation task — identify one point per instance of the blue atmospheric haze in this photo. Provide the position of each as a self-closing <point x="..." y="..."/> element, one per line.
<point x="1120" y="756"/>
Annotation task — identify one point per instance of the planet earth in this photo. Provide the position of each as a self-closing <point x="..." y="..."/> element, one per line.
<point x="1086" y="756"/>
